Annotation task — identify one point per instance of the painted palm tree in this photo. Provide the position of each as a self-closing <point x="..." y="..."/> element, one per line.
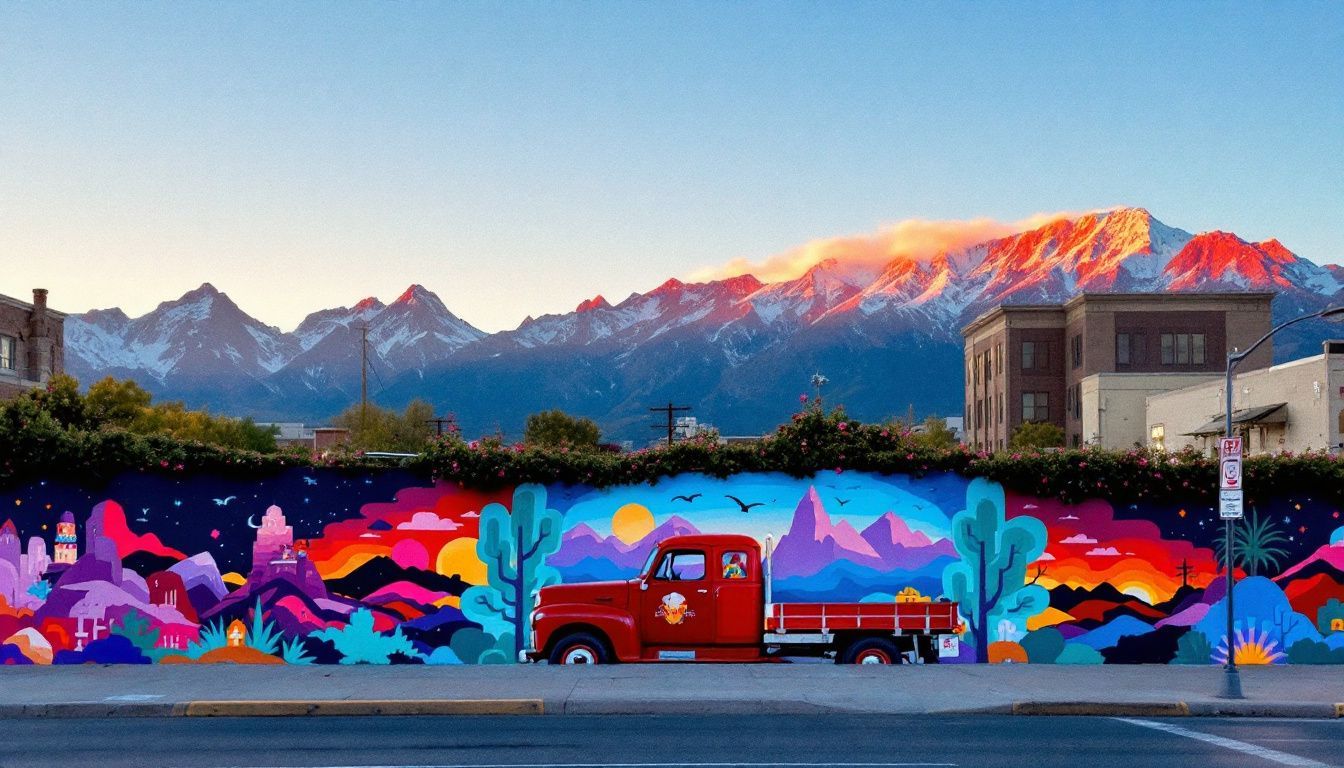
<point x="1253" y="545"/>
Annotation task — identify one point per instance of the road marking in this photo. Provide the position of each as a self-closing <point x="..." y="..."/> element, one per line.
<point x="1265" y="753"/>
<point x="656" y="765"/>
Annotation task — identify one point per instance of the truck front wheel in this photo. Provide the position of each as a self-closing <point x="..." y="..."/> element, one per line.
<point x="871" y="650"/>
<point x="580" y="648"/>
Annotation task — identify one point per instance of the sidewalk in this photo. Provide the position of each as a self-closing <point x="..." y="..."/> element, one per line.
<point x="220" y="690"/>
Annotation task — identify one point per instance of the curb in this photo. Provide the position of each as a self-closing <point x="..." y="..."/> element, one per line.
<point x="363" y="708"/>
<point x="1102" y="708"/>
<point x="1293" y="709"/>
<point x="263" y="708"/>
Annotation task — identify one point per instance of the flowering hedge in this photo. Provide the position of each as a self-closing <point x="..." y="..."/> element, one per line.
<point x="813" y="441"/>
<point x="818" y="441"/>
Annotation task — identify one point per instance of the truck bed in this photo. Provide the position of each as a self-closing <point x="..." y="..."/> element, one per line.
<point x="922" y="618"/>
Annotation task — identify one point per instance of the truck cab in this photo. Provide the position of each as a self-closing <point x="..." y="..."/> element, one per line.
<point x="706" y="597"/>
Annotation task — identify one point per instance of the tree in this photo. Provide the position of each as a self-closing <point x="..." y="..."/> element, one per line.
<point x="990" y="580"/>
<point x="1036" y="434"/>
<point x="1253" y="540"/>
<point x="381" y="429"/>
<point x="934" y="434"/>
<point x="556" y="428"/>
<point x="513" y="546"/>
<point x="119" y="403"/>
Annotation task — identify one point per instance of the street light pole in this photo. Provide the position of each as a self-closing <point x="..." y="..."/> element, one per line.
<point x="1231" y="677"/>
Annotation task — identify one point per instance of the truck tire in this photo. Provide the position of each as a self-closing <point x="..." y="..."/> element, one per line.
<point x="580" y="648"/>
<point x="871" y="650"/>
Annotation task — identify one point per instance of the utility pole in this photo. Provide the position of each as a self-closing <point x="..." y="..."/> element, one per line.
<point x="440" y="421"/>
<point x="669" y="409"/>
<point x="1185" y="570"/>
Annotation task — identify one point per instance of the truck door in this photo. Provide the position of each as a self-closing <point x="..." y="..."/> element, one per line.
<point x="678" y="606"/>
<point x="738" y="594"/>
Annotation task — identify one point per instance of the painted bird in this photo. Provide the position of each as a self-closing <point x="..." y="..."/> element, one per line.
<point x="224" y="502"/>
<point x="688" y="499"/>
<point x="745" y="506"/>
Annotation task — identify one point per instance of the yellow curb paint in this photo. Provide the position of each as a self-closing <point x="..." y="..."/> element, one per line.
<point x="1339" y="710"/>
<point x="362" y="708"/>
<point x="1102" y="709"/>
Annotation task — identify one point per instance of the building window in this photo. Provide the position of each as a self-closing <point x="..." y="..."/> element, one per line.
<point x="989" y="369"/>
<point x="1035" y="356"/>
<point x="1077" y="440"/>
<point x="1077" y="392"/>
<point x="7" y="352"/>
<point x="1122" y="349"/>
<point x="1035" y="406"/>
<point x="1077" y="348"/>
<point x="1157" y="437"/>
<point x="999" y="400"/>
<point x="1183" y="349"/>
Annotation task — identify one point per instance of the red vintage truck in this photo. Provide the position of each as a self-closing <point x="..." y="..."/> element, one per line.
<point x="707" y="597"/>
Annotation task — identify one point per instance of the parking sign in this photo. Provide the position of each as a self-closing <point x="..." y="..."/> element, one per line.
<point x="1229" y="464"/>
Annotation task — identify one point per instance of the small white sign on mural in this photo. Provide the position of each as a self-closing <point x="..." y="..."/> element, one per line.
<point x="949" y="646"/>
<point x="1229" y="461"/>
<point x="1229" y="505"/>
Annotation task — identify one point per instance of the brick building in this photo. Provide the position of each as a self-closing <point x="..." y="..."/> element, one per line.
<point x="1090" y="364"/>
<point x="32" y="347"/>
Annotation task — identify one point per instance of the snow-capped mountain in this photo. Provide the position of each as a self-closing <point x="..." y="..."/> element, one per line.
<point x="202" y="335"/>
<point x="737" y="349"/>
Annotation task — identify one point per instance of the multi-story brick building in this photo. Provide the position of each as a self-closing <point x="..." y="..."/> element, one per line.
<point x="32" y="348"/>
<point x="1090" y="364"/>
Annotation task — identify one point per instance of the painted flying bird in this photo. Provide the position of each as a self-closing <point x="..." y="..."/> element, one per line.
<point x="224" y="502"/>
<point x="310" y="480"/>
<point x="842" y="502"/>
<point x="688" y="499"/>
<point x="745" y="506"/>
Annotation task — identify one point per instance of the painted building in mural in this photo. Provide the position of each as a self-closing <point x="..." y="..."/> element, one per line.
<point x="316" y="566"/>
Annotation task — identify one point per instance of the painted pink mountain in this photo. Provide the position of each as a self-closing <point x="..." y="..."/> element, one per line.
<point x="1331" y="555"/>
<point x="582" y="543"/>
<point x="901" y="547"/>
<point x="814" y="542"/>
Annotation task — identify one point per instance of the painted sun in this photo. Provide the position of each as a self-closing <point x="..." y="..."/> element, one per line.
<point x="632" y="522"/>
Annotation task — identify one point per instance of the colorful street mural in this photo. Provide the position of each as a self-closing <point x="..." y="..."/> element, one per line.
<point x="324" y="566"/>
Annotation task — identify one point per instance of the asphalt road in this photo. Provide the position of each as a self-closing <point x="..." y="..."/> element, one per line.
<point x="672" y="742"/>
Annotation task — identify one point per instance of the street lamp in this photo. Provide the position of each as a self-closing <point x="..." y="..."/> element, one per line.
<point x="1231" y="678"/>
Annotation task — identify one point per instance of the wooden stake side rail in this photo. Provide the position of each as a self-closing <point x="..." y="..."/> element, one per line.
<point x="889" y="617"/>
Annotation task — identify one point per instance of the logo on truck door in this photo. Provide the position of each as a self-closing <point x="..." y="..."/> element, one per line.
<point x="674" y="608"/>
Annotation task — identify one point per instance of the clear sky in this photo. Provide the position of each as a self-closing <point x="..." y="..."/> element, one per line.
<point x="517" y="158"/>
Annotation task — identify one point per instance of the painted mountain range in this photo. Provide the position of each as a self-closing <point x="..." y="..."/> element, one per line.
<point x="737" y="349"/>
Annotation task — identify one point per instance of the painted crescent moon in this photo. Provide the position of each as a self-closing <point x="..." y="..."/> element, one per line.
<point x="249" y="522"/>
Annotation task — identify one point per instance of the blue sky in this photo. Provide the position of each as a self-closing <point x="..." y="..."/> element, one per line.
<point x="519" y="157"/>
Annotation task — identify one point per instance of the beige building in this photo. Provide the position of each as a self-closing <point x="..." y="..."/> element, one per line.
<point x="1089" y="365"/>
<point x="32" y="343"/>
<point x="1296" y="406"/>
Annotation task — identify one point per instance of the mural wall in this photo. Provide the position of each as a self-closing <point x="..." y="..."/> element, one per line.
<point x="324" y="567"/>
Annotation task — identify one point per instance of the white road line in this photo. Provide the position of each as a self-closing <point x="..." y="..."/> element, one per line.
<point x="1264" y="753"/>
<point x="652" y="765"/>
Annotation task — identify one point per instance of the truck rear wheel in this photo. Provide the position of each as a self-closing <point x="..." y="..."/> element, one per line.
<point x="871" y="650"/>
<point x="580" y="648"/>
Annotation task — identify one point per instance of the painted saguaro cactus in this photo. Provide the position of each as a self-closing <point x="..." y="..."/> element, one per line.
<point x="990" y="579"/>
<point x="513" y="545"/>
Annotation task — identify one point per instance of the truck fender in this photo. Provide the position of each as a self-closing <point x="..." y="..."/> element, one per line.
<point x="553" y="621"/>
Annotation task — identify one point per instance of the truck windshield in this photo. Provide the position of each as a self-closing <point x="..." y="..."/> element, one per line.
<point x="648" y="562"/>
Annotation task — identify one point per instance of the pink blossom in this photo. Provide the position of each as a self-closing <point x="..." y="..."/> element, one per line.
<point x="842" y="426"/>
<point x="802" y="398"/>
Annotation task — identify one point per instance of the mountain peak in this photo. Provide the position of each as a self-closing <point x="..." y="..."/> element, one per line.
<point x="595" y="303"/>
<point x="416" y="294"/>
<point x="366" y="304"/>
<point x="672" y="285"/>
